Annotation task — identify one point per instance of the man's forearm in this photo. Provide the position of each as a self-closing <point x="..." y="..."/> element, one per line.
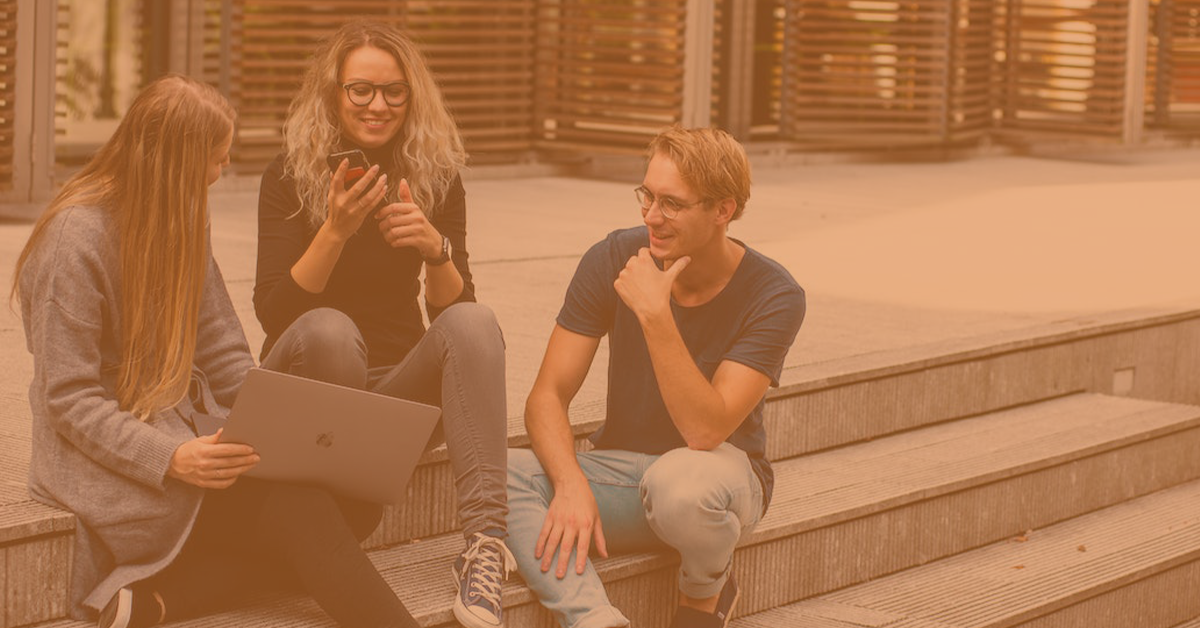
<point x="549" y="430"/>
<point x="696" y="407"/>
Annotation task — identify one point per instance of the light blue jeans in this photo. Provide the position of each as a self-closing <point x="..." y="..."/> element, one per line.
<point x="696" y="502"/>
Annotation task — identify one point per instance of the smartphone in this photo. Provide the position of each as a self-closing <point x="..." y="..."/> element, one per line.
<point x="358" y="164"/>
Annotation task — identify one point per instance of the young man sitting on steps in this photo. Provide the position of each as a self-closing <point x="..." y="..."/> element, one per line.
<point x="699" y="325"/>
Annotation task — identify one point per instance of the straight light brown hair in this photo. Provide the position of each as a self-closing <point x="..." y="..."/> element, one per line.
<point x="152" y="177"/>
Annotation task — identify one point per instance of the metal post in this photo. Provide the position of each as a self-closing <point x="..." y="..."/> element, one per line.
<point x="738" y="72"/>
<point x="33" y="141"/>
<point x="1137" y="44"/>
<point x="698" y="64"/>
<point x="187" y="45"/>
<point x="156" y="40"/>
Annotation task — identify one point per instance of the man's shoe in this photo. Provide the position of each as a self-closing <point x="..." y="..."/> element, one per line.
<point x="478" y="574"/>
<point x="686" y="617"/>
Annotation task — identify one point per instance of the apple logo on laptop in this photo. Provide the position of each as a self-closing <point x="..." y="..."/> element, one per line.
<point x="325" y="439"/>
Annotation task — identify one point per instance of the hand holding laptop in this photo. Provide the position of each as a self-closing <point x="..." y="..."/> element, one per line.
<point x="206" y="462"/>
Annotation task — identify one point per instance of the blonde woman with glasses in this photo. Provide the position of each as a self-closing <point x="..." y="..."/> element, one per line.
<point x="365" y="196"/>
<point x="133" y="336"/>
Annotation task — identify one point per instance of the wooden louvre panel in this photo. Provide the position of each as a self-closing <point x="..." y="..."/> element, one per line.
<point x="972" y="70"/>
<point x="8" y="90"/>
<point x="1175" y="66"/>
<point x="480" y="51"/>
<point x="1154" y="80"/>
<point x="1065" y="67"/>
<point x="768" y="64"/>
<point x="211" y="65"/>
<point x="609" y="73"/>
<point x="719" y="38"/>
<point x="873" y="73"/>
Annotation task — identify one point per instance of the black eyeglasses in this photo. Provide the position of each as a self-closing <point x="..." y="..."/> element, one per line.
<point x="361" y="93"/>
<point x="668" y="205"/>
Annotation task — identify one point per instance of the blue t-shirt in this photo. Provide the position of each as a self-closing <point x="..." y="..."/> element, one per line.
<point x="752" y="321"/>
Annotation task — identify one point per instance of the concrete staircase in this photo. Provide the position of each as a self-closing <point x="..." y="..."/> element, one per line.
<point x="1047" y="477"/>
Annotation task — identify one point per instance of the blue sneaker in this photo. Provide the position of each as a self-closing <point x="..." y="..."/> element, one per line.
<point x="478" y="573"/>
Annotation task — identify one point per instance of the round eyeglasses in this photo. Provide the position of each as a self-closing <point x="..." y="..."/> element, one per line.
<point x="668" y="205"/>
<point x="362" y="93"/>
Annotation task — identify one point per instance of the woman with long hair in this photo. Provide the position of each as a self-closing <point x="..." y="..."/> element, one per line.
<point x="133" y="336"/>
<point x="339" y="265"/>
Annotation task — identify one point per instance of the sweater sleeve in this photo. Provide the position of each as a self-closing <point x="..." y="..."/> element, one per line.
<point x="451" y="221"/>
<point x="66" y="324"/>
<point x="222" y="352"/>
<point x="283" y="236"/>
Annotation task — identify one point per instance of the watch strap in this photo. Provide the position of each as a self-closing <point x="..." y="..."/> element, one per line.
<point x="444" y="257"/>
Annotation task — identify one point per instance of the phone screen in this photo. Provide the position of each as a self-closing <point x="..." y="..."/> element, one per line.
<point x="357" y="167"/>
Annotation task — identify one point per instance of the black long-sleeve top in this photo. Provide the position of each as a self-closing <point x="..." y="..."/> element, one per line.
<point x="372" y="283"/>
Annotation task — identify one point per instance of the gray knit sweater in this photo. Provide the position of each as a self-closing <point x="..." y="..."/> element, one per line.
<point x="89" y="456"/>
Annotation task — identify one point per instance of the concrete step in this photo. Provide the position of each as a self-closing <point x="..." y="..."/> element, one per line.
<point x="830" y="404"/>
<point x="827" y="405"/>
<point x="1133" y="564"/>
<point x="917" y="497"/>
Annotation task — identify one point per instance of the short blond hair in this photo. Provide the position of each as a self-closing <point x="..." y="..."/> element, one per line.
<point x="710" y="161"/>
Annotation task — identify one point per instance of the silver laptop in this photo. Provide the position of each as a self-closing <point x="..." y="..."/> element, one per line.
<point x="356" y="443"/>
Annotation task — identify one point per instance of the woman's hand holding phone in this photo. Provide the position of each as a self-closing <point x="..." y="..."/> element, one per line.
<point x="349" y="206"/>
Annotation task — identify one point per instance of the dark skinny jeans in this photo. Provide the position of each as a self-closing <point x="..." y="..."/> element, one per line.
<point x="260" y="535"/>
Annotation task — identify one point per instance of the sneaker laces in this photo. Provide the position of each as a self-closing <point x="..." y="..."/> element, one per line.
<point x="490" y="562"/>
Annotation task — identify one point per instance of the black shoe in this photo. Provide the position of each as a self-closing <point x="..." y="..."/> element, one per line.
<point x="686" y="617"/>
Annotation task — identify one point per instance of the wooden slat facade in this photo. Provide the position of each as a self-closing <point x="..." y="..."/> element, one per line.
<point x="480" y="51"/>
<point x="768" y="65"/>
<point x="609" y="72"/>
<point x="877" y="72"/>
<point x="1173" y="67"/>
<point x="212" y="37"/>
<point x="8" y="91"/>
<point x="606" y="75"/>
<point x="1065" y="67"/>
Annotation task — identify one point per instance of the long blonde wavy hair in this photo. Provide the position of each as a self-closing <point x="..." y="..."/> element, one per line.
<point x="152" y="176"/>
<point x="430" y="151"/>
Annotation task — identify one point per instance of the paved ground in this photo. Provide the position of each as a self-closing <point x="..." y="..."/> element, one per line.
<point x="892" y="255"/>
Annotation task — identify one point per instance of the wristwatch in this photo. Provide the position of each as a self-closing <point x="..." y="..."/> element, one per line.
<point x="444" y="257"/>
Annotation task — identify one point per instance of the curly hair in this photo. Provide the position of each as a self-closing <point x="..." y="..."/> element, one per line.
<point x="430" y="151"/>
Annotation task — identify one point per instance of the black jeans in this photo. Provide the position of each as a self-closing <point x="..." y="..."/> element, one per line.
<point x="259" y="534"/>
